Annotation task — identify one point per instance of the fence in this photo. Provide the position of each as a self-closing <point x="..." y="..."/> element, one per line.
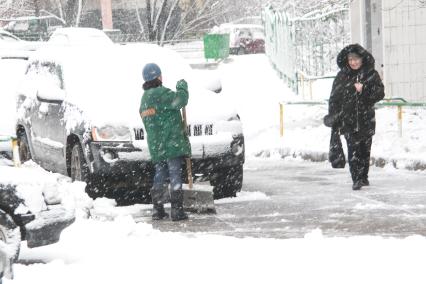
<point x="399" y="103"/>
<point x="305" y="45"/>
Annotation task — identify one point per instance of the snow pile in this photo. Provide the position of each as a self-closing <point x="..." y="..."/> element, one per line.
<point x="257" y="91"/>
<point x="127" y="252"/>
<point x="40" y="188"/>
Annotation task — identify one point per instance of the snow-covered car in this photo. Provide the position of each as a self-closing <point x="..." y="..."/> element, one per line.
<point x="6" y="37"/>
<point x="79" y="36"/>
<point x="39" y="226"/>
<point x="12" y="69"/>
<point x="244" y="38"/>
<point x="33" y="25"/>
<point x="78" y="114"/>
<point x="11" y="45"/>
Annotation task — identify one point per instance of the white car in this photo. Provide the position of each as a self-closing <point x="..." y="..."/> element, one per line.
<point x="12" y="69"/>
<point x="79" y="36"/>
<point x="78" y="114"/>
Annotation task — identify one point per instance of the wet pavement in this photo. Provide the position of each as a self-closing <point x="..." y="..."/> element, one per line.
<point x="288" y="199"/>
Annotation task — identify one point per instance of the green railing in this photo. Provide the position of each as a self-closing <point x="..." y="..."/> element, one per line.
<point x="387" y="102"/>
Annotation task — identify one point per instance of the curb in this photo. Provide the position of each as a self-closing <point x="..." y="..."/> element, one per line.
<point x="412" y="165"/>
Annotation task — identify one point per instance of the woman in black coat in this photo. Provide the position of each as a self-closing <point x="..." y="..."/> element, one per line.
<point x="356" y="88"/>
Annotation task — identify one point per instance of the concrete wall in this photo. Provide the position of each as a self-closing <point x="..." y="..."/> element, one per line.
<point x="395" y="32"/>
<point x="357" y="19"/>
<point x="404" y="26"/>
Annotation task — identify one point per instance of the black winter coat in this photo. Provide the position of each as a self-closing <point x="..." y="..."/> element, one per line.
<point x="352" y="112"/>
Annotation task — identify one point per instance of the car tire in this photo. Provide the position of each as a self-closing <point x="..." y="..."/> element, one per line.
<point x="79" y="169"/>
<point x="24" y="147"/>
<point x="10" y="234"/>
<point x="241" y="51"/>
<point x="227" y="182"/>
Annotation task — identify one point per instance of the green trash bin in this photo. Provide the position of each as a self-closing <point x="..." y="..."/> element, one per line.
<point x="216" y="46"/>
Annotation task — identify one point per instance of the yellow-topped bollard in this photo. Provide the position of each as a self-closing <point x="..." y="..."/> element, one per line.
<point x="281" y="119"/>
<point x="15" y="153"/>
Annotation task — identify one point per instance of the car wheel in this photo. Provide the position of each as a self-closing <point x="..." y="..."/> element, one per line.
<point x="79" y="169"/>
<point x="227" y="182"/>
<point x="24" y="147"/>
<point x="10" y="235"/>
<point x="241" y="51"/>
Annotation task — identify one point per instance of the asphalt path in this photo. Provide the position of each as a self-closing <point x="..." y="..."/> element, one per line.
<point x="290" y="198"/>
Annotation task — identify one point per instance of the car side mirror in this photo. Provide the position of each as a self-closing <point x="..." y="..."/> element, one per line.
<point x="214" y="85"/>
<point x="210" y="81"/>
<point x="49" y="94"/>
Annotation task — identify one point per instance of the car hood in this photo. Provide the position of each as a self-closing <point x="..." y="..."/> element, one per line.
<point x="204" y="106"/>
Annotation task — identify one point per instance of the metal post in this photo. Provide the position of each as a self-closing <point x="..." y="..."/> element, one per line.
<point x="400" y="120"/>
<point x="15" y="153"/>
<point x="281" y="120"/>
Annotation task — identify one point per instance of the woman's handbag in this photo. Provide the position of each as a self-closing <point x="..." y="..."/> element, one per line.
<point x="336" y="156"/>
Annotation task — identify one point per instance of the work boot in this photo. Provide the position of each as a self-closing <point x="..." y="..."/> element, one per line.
<point x="357" y="185"/>
<point x="177" y="206"/>
<point x="158" y="212"/>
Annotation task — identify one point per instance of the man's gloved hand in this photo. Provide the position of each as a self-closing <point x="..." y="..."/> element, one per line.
<point x="182" y="84"/>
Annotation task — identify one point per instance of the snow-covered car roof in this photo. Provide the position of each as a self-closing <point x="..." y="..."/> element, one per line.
<point x="107" y="82"/>
<point x="79" y="36"/>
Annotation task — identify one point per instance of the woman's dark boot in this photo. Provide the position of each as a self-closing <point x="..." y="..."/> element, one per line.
<point x="177" y="206"/>
<point x="357" y="185"/>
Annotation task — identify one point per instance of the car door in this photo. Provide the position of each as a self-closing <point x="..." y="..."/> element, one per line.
<point x="30" y="110"/>
<point x="51" y="95"/>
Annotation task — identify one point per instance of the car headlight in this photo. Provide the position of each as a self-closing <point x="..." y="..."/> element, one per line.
<point x="235" y="117"/>
<point x="111" y="133"/>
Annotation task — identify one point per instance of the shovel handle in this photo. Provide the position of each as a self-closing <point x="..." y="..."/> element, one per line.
<point x="185" y="124"/>
<point x="189" y="172"/>
<point x="187" y="160"/>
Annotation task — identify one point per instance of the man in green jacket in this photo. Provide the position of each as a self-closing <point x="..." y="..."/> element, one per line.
<point x="167" y="141"/>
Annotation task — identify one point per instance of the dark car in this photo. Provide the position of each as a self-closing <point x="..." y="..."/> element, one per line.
<point x="244" y="38"/>
<point x="18" y="223"/>
<point x="245" y="42"/>
<point x="78" y="115"/>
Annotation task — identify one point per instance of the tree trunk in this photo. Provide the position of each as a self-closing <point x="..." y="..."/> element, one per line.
<point x="148" y="18"/>
<point x="79" y="9"/>
<point x="138" y="16"/>
<point x="37" y="14"/>
<point x="163" y="34"/>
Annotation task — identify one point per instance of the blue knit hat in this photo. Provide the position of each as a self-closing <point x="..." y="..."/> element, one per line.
<point x="150" y="72"/>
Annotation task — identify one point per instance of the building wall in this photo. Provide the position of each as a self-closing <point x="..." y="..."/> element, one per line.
<point x="116" y="4"/>
<point x="357" y="19"/>
<point x="404" y="25"/>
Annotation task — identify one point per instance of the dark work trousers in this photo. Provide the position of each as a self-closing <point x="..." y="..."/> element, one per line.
<point x="359" y="149"/>
<point x="166" y="172"/>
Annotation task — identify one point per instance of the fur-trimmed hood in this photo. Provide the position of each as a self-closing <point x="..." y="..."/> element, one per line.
<point x="367" y="59"/>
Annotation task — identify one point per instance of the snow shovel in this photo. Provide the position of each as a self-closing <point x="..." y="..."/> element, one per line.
<point x="196" y="197"/>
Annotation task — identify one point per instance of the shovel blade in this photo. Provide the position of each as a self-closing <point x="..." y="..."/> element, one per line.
<point x="198" y="199"/>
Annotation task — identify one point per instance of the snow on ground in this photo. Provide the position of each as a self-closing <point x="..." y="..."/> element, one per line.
<point x="114" y="248"/>
<point x="257" y="91"/>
